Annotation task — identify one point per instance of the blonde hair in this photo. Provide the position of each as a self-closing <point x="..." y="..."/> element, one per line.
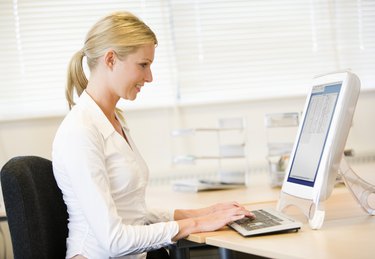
<point x="121" y="31"/>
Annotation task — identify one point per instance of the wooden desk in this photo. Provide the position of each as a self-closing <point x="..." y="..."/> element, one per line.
<point x="4" y="235"/>
<point x="347" y="232"/>
<point x="3" y="216"/>
<point x="163" y="197"/>
<point x="258" y="190"/>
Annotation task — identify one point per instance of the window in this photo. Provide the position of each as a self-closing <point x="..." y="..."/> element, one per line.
<point x="38" y="38"/>
<point x="230" y="50"/>
<point x="209" y="50"/>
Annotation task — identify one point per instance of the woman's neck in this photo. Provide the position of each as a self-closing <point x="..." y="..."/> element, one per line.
<point x="103" y="99"/>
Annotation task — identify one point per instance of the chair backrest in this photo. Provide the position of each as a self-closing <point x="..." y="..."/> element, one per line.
<point x="36" y="212"/>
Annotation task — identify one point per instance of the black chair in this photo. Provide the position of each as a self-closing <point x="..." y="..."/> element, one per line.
<point x="36" y="212"/>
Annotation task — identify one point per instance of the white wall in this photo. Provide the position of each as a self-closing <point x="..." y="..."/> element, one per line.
<point x="151" y="131"/>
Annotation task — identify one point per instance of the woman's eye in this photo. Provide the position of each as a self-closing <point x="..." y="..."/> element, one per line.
<point x="143" y="65"/>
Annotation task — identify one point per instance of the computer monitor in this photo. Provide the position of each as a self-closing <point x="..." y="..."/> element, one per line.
<point x="321" y="137"/>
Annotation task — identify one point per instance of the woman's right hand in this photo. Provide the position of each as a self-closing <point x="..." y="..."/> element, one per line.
<point x="221" y="218"/>
<point x="212" y="221"/>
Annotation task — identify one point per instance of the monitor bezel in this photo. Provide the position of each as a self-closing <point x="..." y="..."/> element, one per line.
<point x="335" y="141"/>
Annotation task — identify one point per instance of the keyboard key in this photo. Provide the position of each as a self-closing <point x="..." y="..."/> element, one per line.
<point x="263" y="220"/>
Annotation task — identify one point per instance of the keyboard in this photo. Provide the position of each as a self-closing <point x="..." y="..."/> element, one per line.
<point x="263" y="219"/>
<point x="266" y="220"/>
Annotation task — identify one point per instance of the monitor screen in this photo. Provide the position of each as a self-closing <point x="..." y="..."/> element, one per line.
<point x="315" y="128"/>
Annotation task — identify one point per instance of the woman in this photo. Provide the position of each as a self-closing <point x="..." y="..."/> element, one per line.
<point x="96" y="164"/>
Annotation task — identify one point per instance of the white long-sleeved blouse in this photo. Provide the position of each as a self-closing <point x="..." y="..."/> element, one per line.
<point x="103" y="181"/>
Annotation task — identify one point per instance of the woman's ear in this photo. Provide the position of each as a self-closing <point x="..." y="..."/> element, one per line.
<point x="110" y="58"/>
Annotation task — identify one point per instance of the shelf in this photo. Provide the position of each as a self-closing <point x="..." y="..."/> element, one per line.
<point x="192" y="131"/>
<point x="230" y="135"/>
<point x="189" y="159"/>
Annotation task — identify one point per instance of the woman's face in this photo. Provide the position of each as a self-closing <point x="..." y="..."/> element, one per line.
<point x="130" y="74"/>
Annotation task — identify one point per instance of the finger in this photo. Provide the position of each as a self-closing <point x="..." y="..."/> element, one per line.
<point x="236" y="217"/>
<point x="236" y="204"/>
<point x="246" y="212"/>
<point x="250" y="215"/>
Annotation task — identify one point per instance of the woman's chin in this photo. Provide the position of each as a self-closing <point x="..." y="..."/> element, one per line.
<point x="129" y="97"/>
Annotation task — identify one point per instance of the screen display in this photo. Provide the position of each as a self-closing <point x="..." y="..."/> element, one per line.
<point x="313" y="136"/>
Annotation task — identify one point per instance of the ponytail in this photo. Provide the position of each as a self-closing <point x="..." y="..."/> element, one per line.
<point x="121" y="31"/>
<point x="76" y="78"/>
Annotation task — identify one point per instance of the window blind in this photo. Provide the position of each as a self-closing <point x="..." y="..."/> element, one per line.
<point x="209" y="50"/>
<point x="38" y="38"/>
<point x="230" y="50"/>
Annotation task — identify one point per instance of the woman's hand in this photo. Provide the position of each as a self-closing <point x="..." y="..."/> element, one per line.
<point x="223" y="214"/>
<point x="216" y="217"/>
<point x="184" y="214"/>
<point x="223" y="206"/>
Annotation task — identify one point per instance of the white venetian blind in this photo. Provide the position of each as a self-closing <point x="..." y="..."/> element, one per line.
<point x="38" y="38"/>
<point x="209" y="50"/>
<point x="355" y="38"/>
<point x="230" y="50"/>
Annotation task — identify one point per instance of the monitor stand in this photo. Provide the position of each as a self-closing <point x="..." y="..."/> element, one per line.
<point x="362" y="191"/>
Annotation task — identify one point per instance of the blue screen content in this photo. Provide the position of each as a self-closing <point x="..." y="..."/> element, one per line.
<point x="313" y="136"/>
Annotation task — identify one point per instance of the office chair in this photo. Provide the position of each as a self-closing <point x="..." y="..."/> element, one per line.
<point x="36" y="212"/>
